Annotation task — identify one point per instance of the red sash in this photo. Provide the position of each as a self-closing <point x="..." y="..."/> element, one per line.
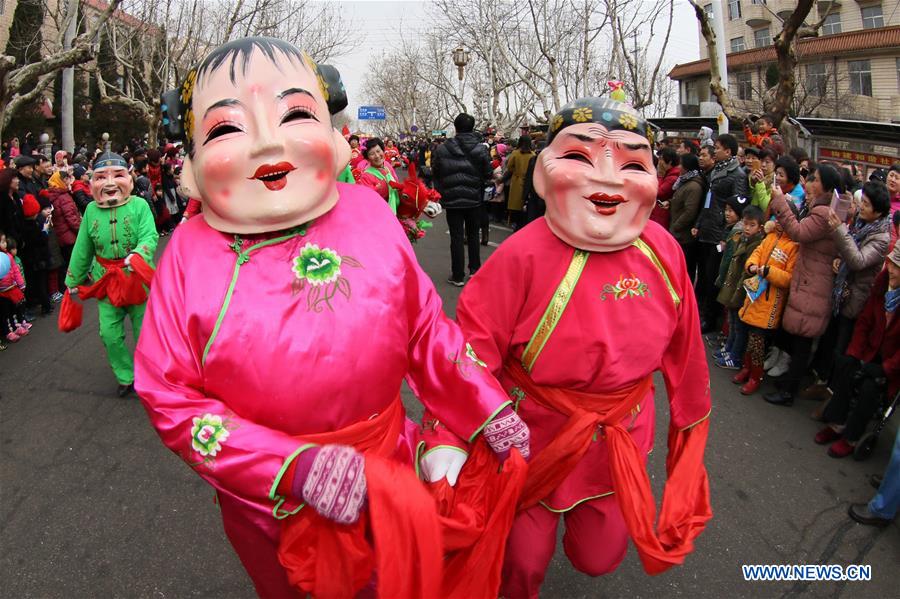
<point x="421" y="540"/>
<point x="685" y="507"/>
<point x="116" y="285"/>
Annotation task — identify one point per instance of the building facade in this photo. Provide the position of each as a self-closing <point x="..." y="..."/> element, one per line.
<point x="851" y="70"/>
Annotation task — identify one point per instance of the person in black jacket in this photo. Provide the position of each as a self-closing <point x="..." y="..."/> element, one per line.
<point x="461" y="168"/>
<point x="28" y="181"/>
<point x="726" y="178"/>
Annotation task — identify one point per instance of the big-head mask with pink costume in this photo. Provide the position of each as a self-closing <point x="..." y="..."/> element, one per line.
<point x="597" y="175"/>
<point x="255" y="116"/>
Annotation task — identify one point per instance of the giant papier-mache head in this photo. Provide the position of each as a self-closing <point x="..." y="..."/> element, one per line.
<point x="597" y="174"/>
<point x="255" y="117"/>
<point x="111" y="183"/>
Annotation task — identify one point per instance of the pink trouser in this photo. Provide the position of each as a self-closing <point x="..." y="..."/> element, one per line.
<point x="254" y="536"/>
<point x="595" y="542"/>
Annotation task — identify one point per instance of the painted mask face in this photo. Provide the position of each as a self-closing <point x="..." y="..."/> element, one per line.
<point x="266" y="157"/>
<point x="111" y="186"/>
<point x="599" y="186"/>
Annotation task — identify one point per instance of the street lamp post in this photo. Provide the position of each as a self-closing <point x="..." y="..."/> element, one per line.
<point x="460" y="59"/>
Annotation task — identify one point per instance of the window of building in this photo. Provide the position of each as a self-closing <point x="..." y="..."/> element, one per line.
<point x="708" y="10"/>
<point x="757" y="1"/>
<point x="737" y="44"/>
<point x="816" y="79"/>
<point x="745" y="86"/>
<point x="898" y="75"/>
<point x="2" y="6"/>
<point x="762" y="38"/>
<point x="734" y="9"/>
<point x="860" y="77"/>
<point x="872" y="17"/>
<point x="832" y="24"/>
<point x="689" y="88"/>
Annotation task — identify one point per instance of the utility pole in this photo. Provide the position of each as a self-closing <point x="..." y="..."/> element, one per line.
<point x="67" y="107"/>
<point x="720" y="57"/>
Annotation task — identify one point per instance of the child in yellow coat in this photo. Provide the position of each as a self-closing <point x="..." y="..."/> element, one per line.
<point x="769" y="279"/>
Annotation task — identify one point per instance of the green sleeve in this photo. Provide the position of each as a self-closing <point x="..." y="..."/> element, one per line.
<point x="147" y="235"/>
<point x="346" y="176"/>
<point x="83" y="251"/>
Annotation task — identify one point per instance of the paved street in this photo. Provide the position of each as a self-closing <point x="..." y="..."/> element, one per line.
<point x="93" y="505"/>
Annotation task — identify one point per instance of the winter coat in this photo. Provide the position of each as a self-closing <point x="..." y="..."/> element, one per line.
<point x="864" y="262"/>
<point x="30" y="185"/>
<point x="723" y="183"/>
<point x="66" y="218"/>
<point x="662" y="214"/>
<point x="12" y="219"/>
<point x="14" y="277"/>
<point x="35" y="251"/>
<point x="779" y="253"/>
<point x="461" y="168"/>
<point x="809" y="305"/>
<point x="874" y="336"/>
<point x="517" y="167"/>
<point x="684" y="207"/>
<point x="81" y="193"/>
<point x="732" y="293"/>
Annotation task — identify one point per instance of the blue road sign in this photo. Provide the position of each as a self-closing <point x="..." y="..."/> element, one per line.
<point x="371" y="113"/>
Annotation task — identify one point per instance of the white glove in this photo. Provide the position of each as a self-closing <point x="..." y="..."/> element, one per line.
<point x="433" y="209"/>
<point x="128" y="260"/>
<point x="73" y="290"/>
<point x="442" y="461"/>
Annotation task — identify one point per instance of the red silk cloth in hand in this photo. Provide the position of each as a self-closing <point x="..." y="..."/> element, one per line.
<point x="71" y="312"/>
<point x="419" y="540"/>
<point x="685" y="507"/>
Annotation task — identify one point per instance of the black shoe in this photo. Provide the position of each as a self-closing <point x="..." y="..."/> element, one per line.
<point x="780" y="398"/>
<point x="47" y="311"/>
<point x="125" y="390"/>
<point x="29" y="316"/>
<point x="875" y="480"/>
<point x="455" y="283"/>
<point x="860" y="512"/>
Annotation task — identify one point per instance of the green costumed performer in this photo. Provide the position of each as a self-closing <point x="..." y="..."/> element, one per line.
<point x="114" y="248"/>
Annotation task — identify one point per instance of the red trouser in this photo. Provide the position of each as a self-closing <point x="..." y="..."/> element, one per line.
<point x="595" y="542"/>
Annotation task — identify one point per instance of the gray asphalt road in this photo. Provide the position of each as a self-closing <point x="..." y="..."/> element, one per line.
<point x="93" y="505"/>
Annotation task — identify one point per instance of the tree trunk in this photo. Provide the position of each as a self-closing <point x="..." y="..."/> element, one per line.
<point x="67" y="107"/>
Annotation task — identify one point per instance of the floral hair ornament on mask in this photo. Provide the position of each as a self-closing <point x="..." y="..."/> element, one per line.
<point x="607" y="112"/>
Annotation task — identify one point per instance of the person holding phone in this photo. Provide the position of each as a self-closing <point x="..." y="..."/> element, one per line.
<point x="809" y="304"/>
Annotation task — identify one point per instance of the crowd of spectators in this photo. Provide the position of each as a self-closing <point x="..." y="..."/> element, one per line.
<point x="42" y="201"/>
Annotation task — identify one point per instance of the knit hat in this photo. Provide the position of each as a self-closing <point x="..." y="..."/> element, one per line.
<point x="78" y="172"/>
<point x="30" y="206"/>
<point x="894" y="256"/>
<point x="738" y="203"/>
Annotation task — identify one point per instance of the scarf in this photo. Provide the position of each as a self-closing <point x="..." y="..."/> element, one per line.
<point x="859" y="231"/>
<point x="685" y="177"/>
<point x="892" y="300"/>
<point x="724" y="165"/>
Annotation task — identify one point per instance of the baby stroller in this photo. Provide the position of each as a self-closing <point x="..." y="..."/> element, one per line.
<point x="867" y="443"/>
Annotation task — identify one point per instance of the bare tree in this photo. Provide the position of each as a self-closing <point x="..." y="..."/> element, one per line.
<point x="635" y="20"/>
<point x="161" y="39"/>
<point x="21" y="86"/>
<point x="779" y="101"/>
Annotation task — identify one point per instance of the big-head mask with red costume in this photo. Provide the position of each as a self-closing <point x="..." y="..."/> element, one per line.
<point x="255" y="116"/>
<point x="596" y="175"/>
